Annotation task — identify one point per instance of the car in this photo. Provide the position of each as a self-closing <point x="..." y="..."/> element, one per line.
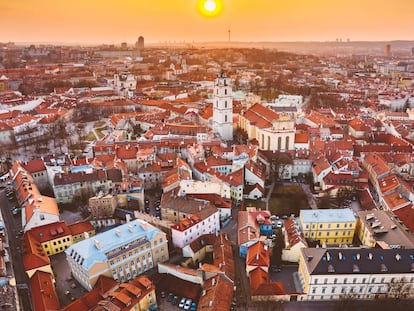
<point x="157" y="208"/>
<point x="182" y="302"/>
<point x="16" y="211"/>
<point x="170" y="297"/>
<point x="174" y="300"/>
<point x="187" y="304"/>
<point x="193" y="306"/>
<point x="274" y="218"/>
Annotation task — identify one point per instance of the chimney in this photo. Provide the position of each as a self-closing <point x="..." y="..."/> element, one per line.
<point x="118" y="233"/>
<point x="98" y="244"/>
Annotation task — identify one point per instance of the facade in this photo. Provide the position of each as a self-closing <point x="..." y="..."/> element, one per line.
<point x="69" y="185"/>
<point x="102" y="206"/>
<point x="329" y="226"/>
<point x="125" y="84"/>
<point x="336" y="273"/>
<point x="192" y="227"/>
<point x="53" y="238"/>
<point x="294" y="241"/>
<point x="223" y="108"/>
<point x="121" y="253"/>
<point x="271" y="130"/>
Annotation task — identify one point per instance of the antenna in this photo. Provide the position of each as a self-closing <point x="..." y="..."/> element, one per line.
<point x="229" y="32"/>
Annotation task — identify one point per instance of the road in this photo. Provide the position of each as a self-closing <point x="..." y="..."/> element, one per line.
<point x="13" y="226"/>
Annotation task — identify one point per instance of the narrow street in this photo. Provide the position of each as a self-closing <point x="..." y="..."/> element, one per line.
<point x="13" y="226"/>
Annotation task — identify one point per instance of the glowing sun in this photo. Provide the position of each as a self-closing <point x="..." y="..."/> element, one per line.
<point x="210" y="8"/>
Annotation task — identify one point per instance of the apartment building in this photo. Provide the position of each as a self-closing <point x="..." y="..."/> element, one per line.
<point x="330" y="226"/>
<point x="121" y="253"/>
<point x="363" y="273"/>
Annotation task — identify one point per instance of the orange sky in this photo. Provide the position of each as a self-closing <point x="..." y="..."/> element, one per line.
<point x="115" y="21"/>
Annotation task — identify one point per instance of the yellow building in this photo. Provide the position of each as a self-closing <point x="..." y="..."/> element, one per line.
<point x="81" y="231"/>
<point x="330" y="226"/>
<point x="54" y="238"/>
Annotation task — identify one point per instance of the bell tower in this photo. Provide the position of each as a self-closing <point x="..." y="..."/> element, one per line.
<point x="223" y="107"/>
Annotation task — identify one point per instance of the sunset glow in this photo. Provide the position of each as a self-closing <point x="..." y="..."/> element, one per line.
<point x="111" y="21"/>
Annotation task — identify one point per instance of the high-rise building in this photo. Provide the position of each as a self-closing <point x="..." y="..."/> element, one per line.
<point x="223" y="107"/>
<point x="387" y="50"/>
<point x="140" y="43"/>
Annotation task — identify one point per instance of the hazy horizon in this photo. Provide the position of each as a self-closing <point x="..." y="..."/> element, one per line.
<point x="111" y="22"/>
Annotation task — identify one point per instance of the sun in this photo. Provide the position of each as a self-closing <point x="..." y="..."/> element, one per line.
<point x="210" y="5"/>
<point x="210" y="8"/>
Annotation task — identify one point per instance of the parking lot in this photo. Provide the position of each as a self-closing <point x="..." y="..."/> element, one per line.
<point x="166" y="304"/>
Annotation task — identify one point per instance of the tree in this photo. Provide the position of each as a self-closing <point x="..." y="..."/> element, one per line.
<point x="278" y="246"/>
<point x="279" y="162"/>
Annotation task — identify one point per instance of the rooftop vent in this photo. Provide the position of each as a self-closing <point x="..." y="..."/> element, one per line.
<point x="98" y="244"/>
<point x="398" y="257"/>
<point x="118" y="233"/>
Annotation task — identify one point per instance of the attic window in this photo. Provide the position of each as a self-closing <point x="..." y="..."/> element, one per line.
<point x="384" y="268"/>
<point x="331" y="269"/>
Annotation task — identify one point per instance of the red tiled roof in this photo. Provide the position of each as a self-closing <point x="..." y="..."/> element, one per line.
<point x="43" y="292"/>
<point x="80" y="227"/>
<point x="49" y="232"/>
<point x="406" y="215"/>
<point x="258" y="255"/>
<point x="34" y="166"/>
<point x="261" y="116"/>
<point x="260" y="284"/>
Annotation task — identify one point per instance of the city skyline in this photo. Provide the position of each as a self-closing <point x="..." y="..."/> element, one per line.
<point x="109" y="21"/>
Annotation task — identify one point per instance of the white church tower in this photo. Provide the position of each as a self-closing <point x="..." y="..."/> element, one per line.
<point x="223" y="108"/>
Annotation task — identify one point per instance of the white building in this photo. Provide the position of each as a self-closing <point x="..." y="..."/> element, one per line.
<point x="223" y="108"/>
<point x="191" y="228"/>
<point x="125" y="84"/>
<point x="362" y="273"/>
<point x="214" y="185"/>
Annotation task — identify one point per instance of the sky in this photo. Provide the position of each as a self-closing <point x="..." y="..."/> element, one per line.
<point x="115" y="21"/>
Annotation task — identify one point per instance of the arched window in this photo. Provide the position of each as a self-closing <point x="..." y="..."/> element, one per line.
<point x="287" y="143"/>
<point x="225" y="118"/>
<point x="279" y="143"/>
<point x="268" y="142"/>
<point x="225" y="104"/>
<point x="225" y="91"/>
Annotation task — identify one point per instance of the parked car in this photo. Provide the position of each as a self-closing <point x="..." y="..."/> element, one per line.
<point x="182" y="302"/>
<point x="193" y="306"/>
<point x="187" y="304"/>
<point x="170" y="297"/>
<point x="174" y="300"/>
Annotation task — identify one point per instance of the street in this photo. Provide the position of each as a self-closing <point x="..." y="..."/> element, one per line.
<point x="13" y="226"/>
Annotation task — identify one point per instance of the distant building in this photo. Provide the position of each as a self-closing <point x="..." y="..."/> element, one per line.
<point x="387" y="50"/>
<point x="122" y="253"/>
<point x="125" y="84"/>
<point x="223" y="108"/>
<point x="140" y="43"/>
